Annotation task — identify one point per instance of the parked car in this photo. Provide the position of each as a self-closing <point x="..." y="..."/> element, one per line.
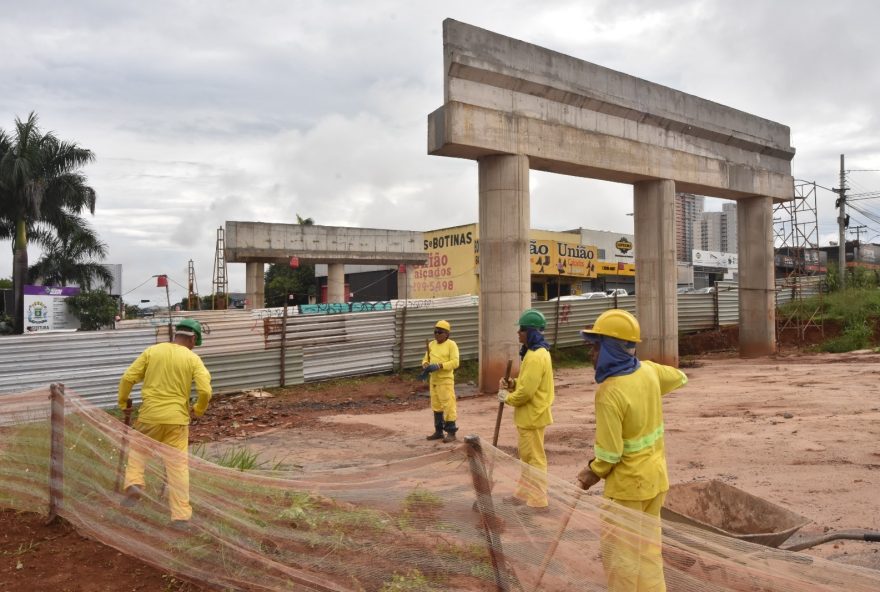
<point x="616" y="292"/>
<point x="566" y="298"/>
<point x="591" y="295"/>
<point x="707" y="290"/>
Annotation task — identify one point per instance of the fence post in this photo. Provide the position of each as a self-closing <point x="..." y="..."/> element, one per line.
<point x="717" y="311"/>
<point x="56" y="451"/>
<point x="486" y="508"/>
<point x="402" y="335"/>
<point x="284" y="339"/>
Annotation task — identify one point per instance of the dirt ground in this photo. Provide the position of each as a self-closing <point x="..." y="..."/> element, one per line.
<point x="799" y="430"/>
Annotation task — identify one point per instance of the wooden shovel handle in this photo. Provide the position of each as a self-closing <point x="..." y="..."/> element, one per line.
<point x="501" y="406"/>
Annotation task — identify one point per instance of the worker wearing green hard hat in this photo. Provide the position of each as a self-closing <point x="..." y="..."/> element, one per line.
<point x="168" y="371"/>
<point x="531" y="395"/>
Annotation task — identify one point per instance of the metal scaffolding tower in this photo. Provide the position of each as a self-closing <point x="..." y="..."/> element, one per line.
<point x="193" y="302"/>
<point x="220" y="284"/>
<point x="796" y="242"/>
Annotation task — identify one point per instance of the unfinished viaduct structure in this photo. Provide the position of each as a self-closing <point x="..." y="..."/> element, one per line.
<point x="513" y="106"/>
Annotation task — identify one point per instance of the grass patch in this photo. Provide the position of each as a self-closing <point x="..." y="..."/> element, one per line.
<point x="856" y="309"/>
<point x="238" y="457"/>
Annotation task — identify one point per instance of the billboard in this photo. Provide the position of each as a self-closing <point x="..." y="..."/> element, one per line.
<point x="715" y="259"/>
<point x="45" y="309"/>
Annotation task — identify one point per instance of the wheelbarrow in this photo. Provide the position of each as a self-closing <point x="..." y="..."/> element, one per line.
<point x="726" y="510"/>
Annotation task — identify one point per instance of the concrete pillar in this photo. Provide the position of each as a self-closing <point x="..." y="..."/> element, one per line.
<point x="336" y="282"/>
<point x="656" y="272"/>
<point x="405" y="283"/>
<point x="255" y="285"/>
<point x="757" y="296"/>
<point x="505" y="289"/>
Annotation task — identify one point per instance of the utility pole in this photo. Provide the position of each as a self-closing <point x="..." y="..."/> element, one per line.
<point x="841" y="223"/>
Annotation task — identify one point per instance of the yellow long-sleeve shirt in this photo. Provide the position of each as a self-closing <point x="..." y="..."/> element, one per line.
<point x="534" y="392"/>
<point x="445" y="354"/>
<point x="167" y="370"/>
<point x="629" y="447"/>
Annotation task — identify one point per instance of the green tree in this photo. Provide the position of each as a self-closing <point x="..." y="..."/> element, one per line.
<point x="5" y="283"/>
<point x="132" y="311"/>
<point x="70" y="257"/>
<point x="41" y="189"/>
<point x="282" y="280"/>
<point x="95" y="309"/>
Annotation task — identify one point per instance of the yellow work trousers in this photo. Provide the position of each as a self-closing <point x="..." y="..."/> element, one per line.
<point x="174" y="455"/>
<point x="631" y="546"/>
<point x="443" y="399"/>
<point x="532" y="486"/>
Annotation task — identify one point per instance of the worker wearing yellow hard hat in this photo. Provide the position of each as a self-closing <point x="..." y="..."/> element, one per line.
<point x="439" y="364"/>
<point x="629" y="451"/>
<point x="531" y="395"/>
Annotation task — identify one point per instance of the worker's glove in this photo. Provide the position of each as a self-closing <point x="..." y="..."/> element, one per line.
<point x="432" y="367"/>
<point x="587" y="478"/>
<point x="503" y="394"/>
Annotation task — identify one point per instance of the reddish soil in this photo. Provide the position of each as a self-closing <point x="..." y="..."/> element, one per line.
<point x="36" y="557"/>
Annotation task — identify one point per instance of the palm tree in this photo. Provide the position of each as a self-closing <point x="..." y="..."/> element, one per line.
<point x="70" y="257"/>
<point x="41" y="189"/>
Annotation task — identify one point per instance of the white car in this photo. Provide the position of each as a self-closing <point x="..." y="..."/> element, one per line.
<point x="616" y="292"/>
<point x="591" y="295"/>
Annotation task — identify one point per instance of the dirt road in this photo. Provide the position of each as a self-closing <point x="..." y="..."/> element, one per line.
<point x="802" y="431"/>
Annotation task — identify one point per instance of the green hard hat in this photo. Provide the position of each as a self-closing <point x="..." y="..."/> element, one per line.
<point x="532" y="318"/>
<point x="191" y="326"/>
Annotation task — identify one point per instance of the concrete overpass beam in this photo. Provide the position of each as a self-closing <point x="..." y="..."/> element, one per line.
<point x="504" y="262"/>
<point x="656" y="298"/>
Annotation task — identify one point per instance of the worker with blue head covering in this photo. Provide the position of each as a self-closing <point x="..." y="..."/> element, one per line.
<point x="531" y="395"/>
<point x="629" y="450"/>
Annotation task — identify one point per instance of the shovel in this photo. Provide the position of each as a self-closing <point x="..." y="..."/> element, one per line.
<point x="501" y="407"/>
<point x="127" y="418"/>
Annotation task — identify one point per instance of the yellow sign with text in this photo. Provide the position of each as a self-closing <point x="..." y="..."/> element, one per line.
<point x="547" y="257"/>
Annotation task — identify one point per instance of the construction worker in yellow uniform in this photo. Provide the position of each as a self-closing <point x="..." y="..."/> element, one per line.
<point x="167" y="370"/>
<point x="531" y="395"/>
<point x="629" y="452"/>
<point x="439" y="363"/>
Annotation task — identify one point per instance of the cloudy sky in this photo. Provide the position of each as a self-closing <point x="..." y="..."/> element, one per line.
<point x="205" y="111"/>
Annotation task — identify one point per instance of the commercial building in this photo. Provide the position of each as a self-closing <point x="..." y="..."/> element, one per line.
<point x="562" y="263"/>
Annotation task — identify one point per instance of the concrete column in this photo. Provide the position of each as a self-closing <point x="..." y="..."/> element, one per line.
<point x="405" y="283"/>
<point x="757" y="296"/>
<point x="656" y="272"/>
<point x="255" y="285"/>
<point x="336" y="282"/>
<point x="505" y="290"/>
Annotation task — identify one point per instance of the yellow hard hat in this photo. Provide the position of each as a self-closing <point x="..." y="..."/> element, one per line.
<point x="616" y="323"/>
<point x="443" y="325"/>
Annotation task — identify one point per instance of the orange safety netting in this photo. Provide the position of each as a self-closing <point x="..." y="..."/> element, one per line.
<point x="434" y="522"/>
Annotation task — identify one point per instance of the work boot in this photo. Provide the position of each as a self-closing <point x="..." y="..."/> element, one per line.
<point x="438" y="426"/>
<point x="181" y="526"/>
<point x="133" y="493"/>
<point x="450" y="428"/>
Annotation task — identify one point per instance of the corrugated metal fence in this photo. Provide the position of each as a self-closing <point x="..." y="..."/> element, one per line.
<point x="243" y="349"/>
